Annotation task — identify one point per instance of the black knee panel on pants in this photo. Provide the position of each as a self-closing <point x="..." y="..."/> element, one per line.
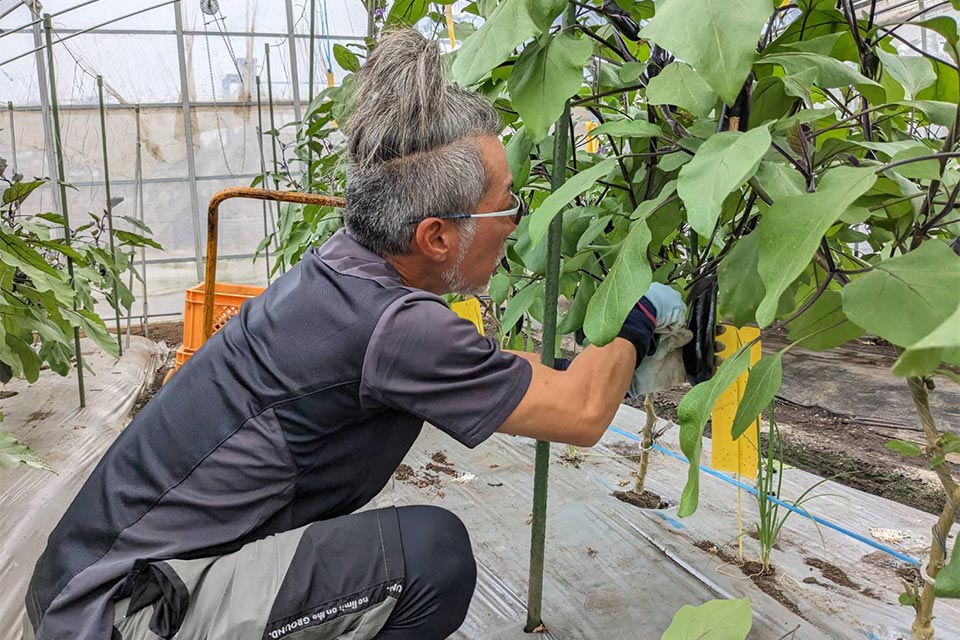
<point x="441" y="575"/>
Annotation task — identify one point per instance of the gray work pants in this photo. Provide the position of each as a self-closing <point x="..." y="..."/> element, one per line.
<point x="391" y="574"/>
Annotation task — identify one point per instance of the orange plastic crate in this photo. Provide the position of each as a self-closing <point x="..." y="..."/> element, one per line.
<point x="227" y="299"/>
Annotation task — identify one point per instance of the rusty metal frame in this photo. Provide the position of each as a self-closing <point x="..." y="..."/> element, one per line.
<point x="213" y="219"/>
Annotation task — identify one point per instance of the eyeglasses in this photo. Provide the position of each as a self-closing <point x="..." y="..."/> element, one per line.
<point x="517" y="213"/>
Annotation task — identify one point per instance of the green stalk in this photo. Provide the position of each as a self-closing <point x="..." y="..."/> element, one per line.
<point x="106" y="183"/>
<point x="263" y="173"/>
<point x="551" y="294"/>
<point x="646" y="443"/>
<point x="62" y="180"/>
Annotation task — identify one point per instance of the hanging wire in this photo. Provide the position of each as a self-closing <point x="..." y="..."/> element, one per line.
<point x="216" y="107"/>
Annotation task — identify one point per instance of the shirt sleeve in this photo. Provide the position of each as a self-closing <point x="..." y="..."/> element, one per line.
<point x="425" y="360"/>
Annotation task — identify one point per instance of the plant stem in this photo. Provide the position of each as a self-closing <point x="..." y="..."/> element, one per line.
<point x="645" y="443"/>
<point x="922" y="628"/>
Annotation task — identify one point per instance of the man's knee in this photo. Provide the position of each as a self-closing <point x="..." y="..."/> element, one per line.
<point x="438" y="558"/>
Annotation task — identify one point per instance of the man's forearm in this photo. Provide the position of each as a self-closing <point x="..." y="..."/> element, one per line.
<point x="592" y="387"/>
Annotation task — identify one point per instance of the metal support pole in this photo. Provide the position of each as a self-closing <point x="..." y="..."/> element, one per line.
<point x="550" y="296"/>
<point x="273" y="144"/>
<point x="263" y="174"/>
<point x="188" y="141"/>
<point x="48" y="141"/>
<point x="13" y="139"/>
<point x="294" y="71"/>
<point x="106" y="186"/>
<point x="62" y="180"/>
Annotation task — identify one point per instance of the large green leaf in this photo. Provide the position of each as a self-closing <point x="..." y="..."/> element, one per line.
<point x="722" y="163"/>
<point x="511" y="24"/>
<point x="628" y="280"/>
<point x="628" y="129"/>
<point x="941" y="344"/>
<point x="947" y="584"/>
<point x="544" y="77"/>
<point x="347" y="59"/>
<point x="804" y="70"/>
<point x="519" y="304"/>
<point x="904" y="299"/>
<point x="780" y="180"/>
<point x="824" y="325"/>
<point x="740" y="289"/>
<point x="518" y="157"/>
<point x="678" y="84"/>
<point x="717" y="37"/>
<point x="21" y="190"/>
<point x="941" y="113"/>
<point x="573" y="320"/>
<point x="542" y="215"/>
<point x="693" y="412"/>
<point x="13" y="454"/>
<point x="793" y="226"/>
<point x="762" y="386"/>
<point x="713" y="620"/>
<point x="407" y="12"/>
<point x="915" y="73"/>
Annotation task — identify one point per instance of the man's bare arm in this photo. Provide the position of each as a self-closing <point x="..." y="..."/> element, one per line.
<point x="574" y="406"/>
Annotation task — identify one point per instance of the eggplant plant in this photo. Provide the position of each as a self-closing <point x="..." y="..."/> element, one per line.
<point x="42" y="301"/>
<point x="791" y="165"/>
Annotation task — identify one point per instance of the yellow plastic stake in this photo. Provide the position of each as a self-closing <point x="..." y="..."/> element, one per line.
<point x="329" y="78"/>
<point x="742" y="455"/>
<point x="470" y="310"/>
<point x="453" y="38"/>
<point x="593" y="145"/>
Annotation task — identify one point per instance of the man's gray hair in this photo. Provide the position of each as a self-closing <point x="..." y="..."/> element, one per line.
<point x="412" y="141"/>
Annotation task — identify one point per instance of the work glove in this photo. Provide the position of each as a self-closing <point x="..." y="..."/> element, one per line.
<point x="661" y="307"/>
<point x="662" y="368"/>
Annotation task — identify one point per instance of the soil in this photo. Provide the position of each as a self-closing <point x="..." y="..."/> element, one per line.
<point x="763" y="578"/>
<point x="421" y="478"/>
<point x="645" y="500"/>
<point x="450" y="471"/>
<point x="170" y="333"/>
<point x="440" y="458"/>
<point x="837" y="576"/>
<point x="831" y="572"/>
<point x="838" y="448"/>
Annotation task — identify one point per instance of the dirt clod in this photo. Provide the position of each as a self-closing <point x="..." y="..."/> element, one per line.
<point x="440" y="458"/>
<point x="645" y="500"/>
<point x="591" y="552"/>
<point x="404" y="472"/>
<point x="763" y="578"/>
<point x="450" y="471"/>
<point x="832" y="572"/>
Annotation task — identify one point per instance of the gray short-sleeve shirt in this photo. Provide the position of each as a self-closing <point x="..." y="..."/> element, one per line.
<point x="298" y="410"/>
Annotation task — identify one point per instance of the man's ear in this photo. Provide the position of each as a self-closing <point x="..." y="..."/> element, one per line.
<point x="436" y="239"/>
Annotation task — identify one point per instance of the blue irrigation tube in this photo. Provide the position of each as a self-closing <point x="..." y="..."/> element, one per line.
<point x="786" y="505"/>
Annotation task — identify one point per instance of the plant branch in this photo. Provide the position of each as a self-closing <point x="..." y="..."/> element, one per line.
<point x="932" y="156"/>
<point x="922" y="628"/>
<point x="604" y="94"/>
<point x="799" y="167"/>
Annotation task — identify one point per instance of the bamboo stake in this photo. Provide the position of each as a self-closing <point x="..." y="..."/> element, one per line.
<point x="62" y="180"/>
<point x="106" y="185"/>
